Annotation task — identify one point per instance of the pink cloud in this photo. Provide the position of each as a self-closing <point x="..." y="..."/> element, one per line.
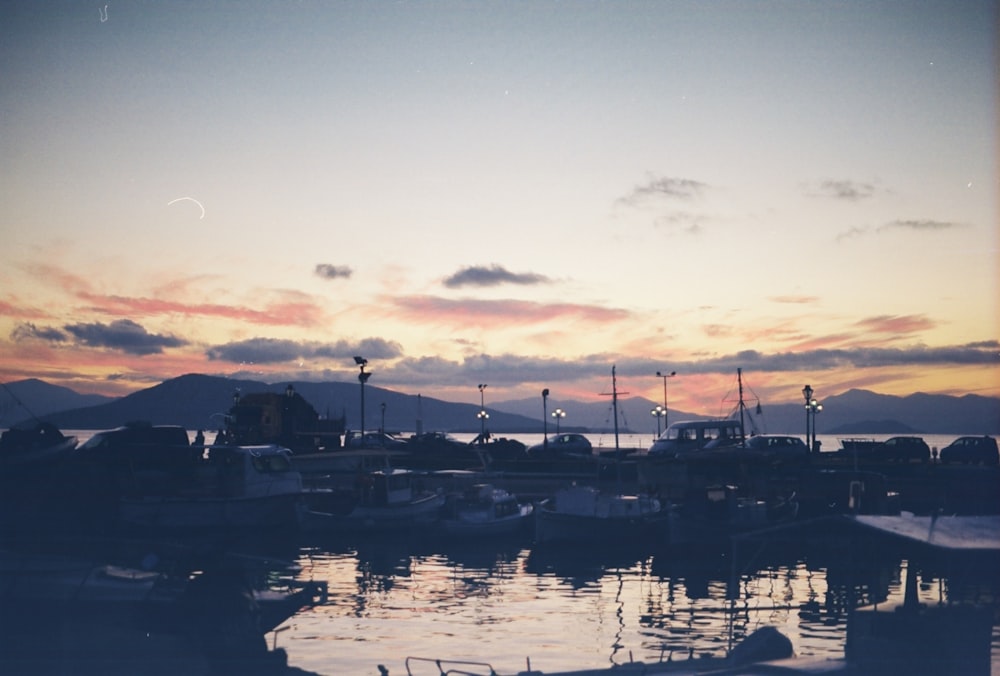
<point x="896" y="324"/>
<point x="433" y="308"/>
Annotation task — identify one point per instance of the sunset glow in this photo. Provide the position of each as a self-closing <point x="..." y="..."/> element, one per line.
<point x="515" y="193"/>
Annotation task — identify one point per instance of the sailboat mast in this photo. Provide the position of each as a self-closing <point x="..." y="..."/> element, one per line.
<point x="739" y="378"/>
<point x="614" y="401"/>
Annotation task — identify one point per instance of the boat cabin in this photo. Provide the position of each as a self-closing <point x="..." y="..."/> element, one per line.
<point x="383" y="488"/>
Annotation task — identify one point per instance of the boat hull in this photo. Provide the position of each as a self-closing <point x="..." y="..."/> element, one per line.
<point x="489" y="527"/>
<point x="274" y="511"/>
<point x="553" y="526"/>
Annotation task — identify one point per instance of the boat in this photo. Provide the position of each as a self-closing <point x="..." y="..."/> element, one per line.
<point x="73" y="613"/>
<point x="157" y="480"/>
<point x="22" y="447"/>
<point x="231" y="486"/>
<point x="587" y="514"/>
<point x="384" y="500"/>
<point x="484" y="510"/>
<point x="717" y="512"/>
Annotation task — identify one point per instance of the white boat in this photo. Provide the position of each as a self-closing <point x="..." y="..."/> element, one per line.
<point x="227" y="486"/>
<point x="484" y="510"/>
<point x="585" y="514"/>
<point x="385" y="500"/>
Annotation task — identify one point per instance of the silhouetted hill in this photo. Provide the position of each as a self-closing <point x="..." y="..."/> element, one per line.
<point x="199" y="401"/>
<point x="871" y="427"/>
<point x="916" y="413"/>
<point x="23" y="399"/>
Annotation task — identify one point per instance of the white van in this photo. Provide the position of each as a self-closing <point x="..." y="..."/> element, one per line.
<point x="694" y="435"/>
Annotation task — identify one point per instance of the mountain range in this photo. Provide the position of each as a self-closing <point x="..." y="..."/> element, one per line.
<point x="200" y="402"/>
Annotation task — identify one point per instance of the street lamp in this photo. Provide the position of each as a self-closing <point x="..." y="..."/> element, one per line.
<point x="482" y="415"/>
<point x="814" y="408"/>
<point x="362" y="378"/>
<point x="545" y="419"/>
<point x="659" y="412"/>
<point x="558" y="414"/>
<point x="807" y="392"/>
<point x="382" y="430"/>
<point x="665" y="407"/>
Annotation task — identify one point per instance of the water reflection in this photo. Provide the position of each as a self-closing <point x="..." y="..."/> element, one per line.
<point x="563" y="607"/>
<point x="575" y="607"/>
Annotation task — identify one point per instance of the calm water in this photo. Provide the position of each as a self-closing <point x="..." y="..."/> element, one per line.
<point x="509" y="602"/>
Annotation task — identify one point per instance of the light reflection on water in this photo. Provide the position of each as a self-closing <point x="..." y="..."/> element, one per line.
<point x="566" y="609"/>
<point x="509" y="602"/>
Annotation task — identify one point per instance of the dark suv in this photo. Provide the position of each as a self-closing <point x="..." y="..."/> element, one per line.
<point x="903" y="449"/>
<point x="972" y="450"/>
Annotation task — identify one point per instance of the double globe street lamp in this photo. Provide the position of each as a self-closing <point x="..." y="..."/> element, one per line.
<point x="658" y="412"/>
<point x="558" y="414"/>
<point x="482" y="415"/>
<point x="812" y="408"/>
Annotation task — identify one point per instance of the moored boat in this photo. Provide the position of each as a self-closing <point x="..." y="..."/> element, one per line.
<point x="484" y="510"/>
<point x="154" y="479"/>
<point x="385" y="500"/>
<point x="585" y="514"/>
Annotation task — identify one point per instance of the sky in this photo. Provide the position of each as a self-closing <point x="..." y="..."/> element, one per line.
<point x="516" y="194"/>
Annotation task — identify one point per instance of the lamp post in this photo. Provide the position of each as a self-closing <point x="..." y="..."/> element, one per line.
<point x="545" y="419"/>
<point x="813" y="407"/>
<point x="362" y="378"/>
<point x="807" y="392"/>
<point x="382" y="430"/>
<point x="665" y="407"/>
<point x="558" y="414"/>
<point x="659" y="412"/>
<point x="482" y="415"/>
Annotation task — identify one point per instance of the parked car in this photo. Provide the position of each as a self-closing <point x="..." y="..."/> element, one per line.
<point x="354" y="440"/>
<point x="563" y="444"/>
<point x="971" y="450"/>
<point x="778" y="446"/>
<point x="903" y="449"/>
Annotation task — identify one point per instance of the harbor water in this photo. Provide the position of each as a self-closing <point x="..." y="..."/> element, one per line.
<point x="511" y="604"/>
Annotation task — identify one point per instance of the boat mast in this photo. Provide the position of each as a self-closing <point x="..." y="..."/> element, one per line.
<point x="614" y="402"/>
<point x="739" y="378"/>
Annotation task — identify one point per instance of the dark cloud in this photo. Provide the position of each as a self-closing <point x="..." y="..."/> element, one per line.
<point x="276" y="351"/>
<point x="913" y="224"/>
<point x="921" y="225"/>
<point x="852" y="232"/>
<point x="124" y="335"/>
<point x="29" y="331"/>
<point x="669" y="187"/>
<point x="494" y="275"/>
<point x="986" y="353"/>
<point x="851" y="191"/>
<point x="511" y="370"/>
<point x="328" y="271"/>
